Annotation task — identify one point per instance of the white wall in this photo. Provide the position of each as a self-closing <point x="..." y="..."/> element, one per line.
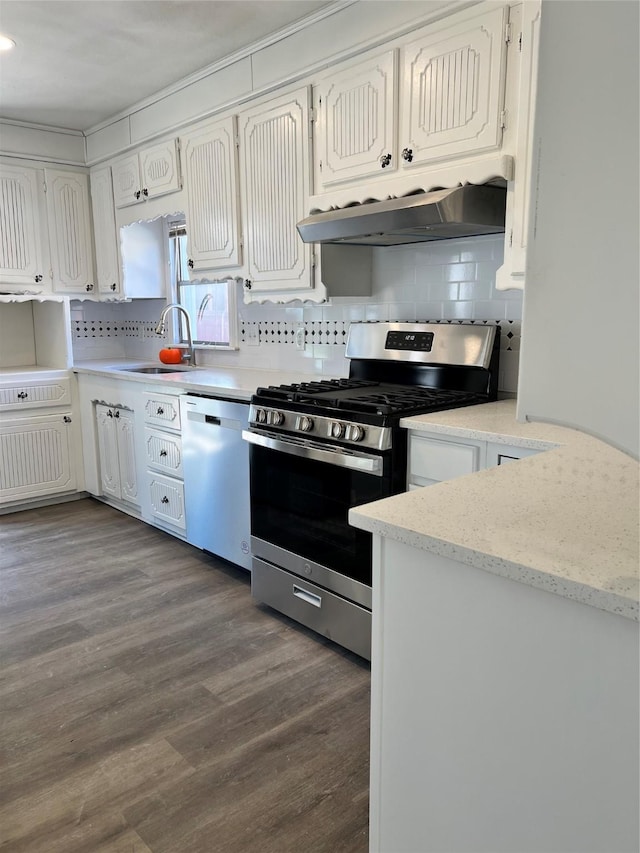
<point x="452" y="280"/>
<point x="580" y="358"/>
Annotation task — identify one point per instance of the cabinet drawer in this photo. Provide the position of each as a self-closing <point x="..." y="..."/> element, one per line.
<point x="167" y="500"/>
<point x="435" y="461"/>
<point x="33" y="394"/>
<point x="162" y="410"/>
<point x="163" y="451"/>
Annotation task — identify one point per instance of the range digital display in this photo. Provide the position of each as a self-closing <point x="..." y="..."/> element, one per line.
<point x="413" y="341"/>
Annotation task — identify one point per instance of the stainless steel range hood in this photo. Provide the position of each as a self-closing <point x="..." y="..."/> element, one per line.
<point x="440" y="215"/>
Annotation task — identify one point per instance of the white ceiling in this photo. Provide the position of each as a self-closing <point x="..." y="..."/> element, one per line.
<point x="79" y="62"/>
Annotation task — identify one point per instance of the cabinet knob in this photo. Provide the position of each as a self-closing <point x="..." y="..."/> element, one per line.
<point x="145" y="192"/>
<point x="89" y="287"/>
<point x="160" y="411"/>
<point x="385" y="160"/>
<point x="116" y="414"/>
<point x="113" y="286"/>
<point x="109" y="413"/>
<point x="22" y="395"/>
<point x="38" y="279"/>
<point x="407" y="154"/>
<point x="163" y="453"/>
<point x="190" y="263"/>
<point x="67" y="419"/>
<point x="137" y="194"/>
<point x="247" y="284"/>
<point x="164" y="500"/>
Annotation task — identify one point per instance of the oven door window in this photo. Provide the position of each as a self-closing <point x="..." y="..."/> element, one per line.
<point x="302" y="505"/>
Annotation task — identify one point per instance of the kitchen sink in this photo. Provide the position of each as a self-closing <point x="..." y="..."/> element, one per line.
<point x="176" y="369"/>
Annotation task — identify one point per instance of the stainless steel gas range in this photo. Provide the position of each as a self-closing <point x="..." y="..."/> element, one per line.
<point x="320" y="448"/>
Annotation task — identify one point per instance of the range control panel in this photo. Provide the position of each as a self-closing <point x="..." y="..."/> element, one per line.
<point x="414" y="341"/>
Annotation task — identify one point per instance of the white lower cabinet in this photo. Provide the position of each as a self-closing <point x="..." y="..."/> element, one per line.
<point x="37" y="457"/>
<point x="164" y="499"/>
<point x="434" y="459"/>
<point x="116" y="450"/>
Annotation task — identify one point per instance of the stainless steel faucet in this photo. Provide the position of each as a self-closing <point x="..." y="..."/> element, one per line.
<point x="190" y="355"/>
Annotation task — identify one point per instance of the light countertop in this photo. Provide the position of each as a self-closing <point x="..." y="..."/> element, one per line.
<point x="564" y="520"/>
<point x="495" y="422"/>
<point x="237" y="383"/>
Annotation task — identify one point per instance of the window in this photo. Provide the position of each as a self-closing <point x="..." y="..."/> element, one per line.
<point x="211" y="305"/>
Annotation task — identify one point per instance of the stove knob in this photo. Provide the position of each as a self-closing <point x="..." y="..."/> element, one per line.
<point x="277" y="418"/>
<point x="357" y="433"/>
<point x="337" y="429"/>
<point x="306" y="423"/>
<point x="261" y="416"/>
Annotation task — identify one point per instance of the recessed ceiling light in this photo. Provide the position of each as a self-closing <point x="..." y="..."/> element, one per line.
<point x="6" y="43"/>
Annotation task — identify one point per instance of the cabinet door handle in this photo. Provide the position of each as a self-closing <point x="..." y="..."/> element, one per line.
<point x="247" y="284"/>
<point x="89" y="287"/>
<point x="113" y="286"/>
<point x="190" y="264"/>
<point x="109" y="413"/>
<point x="38" y="279"/>
<point x="67" y="419"/>
<point x="407" y="154"/>
<point x="164" y="500"/>
<point x="385" y="160"/>
<point x="145" y="192"/>
<point x="116" y="414"/>
<point x="137" y="194"/>
<point x="22" y="395"/>
<point x="163" y="453"/>
<point x="160" y="411"/>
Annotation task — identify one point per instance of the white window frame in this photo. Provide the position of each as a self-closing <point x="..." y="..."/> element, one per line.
<point x="179" y="279"/>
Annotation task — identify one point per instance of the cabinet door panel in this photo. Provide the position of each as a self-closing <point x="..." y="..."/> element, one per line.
<point x="126" y="455"/>
<point x="159" y="169"/>
<point x="453" y="89"/>
<point x="70" y="231"/>
<point x="20" y="247"/>
<point x="275" y="168"/>
<point x="355" y="130"/>
<point x="104" y="222"/>
<point x="108" y="451"/>
<point x="167" y="500"/>
<point x="35" y="457"/>
<point x="210" y="164"/>
<point x="125" y="174"/>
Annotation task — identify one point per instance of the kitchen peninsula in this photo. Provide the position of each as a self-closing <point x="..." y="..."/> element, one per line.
<point x="505" y="647"/>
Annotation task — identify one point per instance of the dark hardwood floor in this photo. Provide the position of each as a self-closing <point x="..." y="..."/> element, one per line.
<point x="147" y="704"/>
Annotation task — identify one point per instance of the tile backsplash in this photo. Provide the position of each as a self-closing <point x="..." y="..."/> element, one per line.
<point x="448" y="281"/>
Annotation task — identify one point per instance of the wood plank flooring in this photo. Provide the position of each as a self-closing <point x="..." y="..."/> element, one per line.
<point x="147" y="704"/>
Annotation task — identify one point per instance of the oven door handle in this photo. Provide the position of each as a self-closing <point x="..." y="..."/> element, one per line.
<point x="356" y="461"/>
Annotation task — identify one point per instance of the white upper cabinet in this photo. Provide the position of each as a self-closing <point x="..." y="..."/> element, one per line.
<point x="70" y="235"/>
<point x="522" y="89"/>
<point x="275" y="169"/>
<point x="355" y="129"/>
<point x="453" y="81"/>
<point x="21" y="259"/>
<point x="148" y="173"/>
<point x="209" y="157"/>
<point x="106" y="242"/>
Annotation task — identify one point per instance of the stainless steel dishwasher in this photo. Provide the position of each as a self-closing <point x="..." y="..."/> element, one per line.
<point x="216" y="476"/>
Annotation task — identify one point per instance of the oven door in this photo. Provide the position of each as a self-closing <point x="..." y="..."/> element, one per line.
<point x="301" y="494"/>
